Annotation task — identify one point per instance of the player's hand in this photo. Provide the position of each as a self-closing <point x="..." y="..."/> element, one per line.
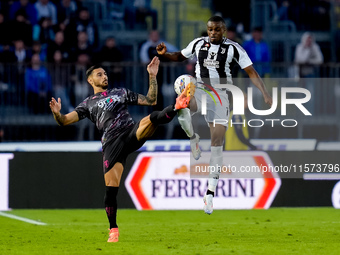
<point x="161" y="48"/>
<point x="55" y="106"/>
<point x="153" y="66"/>
<point x="268" y="99"/>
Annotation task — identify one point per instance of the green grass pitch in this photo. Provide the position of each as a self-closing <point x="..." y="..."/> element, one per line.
<point x="273" y="231"/>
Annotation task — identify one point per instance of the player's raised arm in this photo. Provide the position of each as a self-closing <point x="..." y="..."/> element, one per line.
<point x="151" y="97"/>
<point x="61" y="119"/>
<point x="258" y="82"/>
<point x="173" y="56"/>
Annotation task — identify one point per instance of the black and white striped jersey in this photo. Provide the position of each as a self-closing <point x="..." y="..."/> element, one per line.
<point x="216" y="61"/>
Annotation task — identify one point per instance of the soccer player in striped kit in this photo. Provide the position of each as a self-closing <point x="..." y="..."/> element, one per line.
<point x="215" y="56"/>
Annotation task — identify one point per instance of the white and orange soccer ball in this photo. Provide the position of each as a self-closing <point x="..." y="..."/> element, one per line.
<point x="182" y="81"/>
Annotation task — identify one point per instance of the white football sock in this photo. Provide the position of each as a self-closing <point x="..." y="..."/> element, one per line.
<point x="216" y="160"/>
<point x="184" y="119"/>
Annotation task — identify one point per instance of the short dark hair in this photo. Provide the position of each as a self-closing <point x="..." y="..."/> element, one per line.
<point x="217" y="19"/>
<point x="90" y="70"/>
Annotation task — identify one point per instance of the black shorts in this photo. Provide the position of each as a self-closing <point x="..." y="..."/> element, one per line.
<point x="118" y="149"/>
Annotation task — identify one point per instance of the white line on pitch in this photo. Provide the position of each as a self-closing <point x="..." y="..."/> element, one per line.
<point x="316" y="176"/>
<point x="22" y="219"/>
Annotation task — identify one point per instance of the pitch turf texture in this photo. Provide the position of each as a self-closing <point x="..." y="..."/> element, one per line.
<point x="273" y="231"/>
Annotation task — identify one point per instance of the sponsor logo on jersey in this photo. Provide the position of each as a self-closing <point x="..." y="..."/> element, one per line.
<point x="107" y="103"/>
<point x="211" y="63"/>
<point x="212" y="55"/>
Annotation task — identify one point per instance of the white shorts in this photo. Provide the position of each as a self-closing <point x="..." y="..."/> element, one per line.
<point x="216" y="109"/>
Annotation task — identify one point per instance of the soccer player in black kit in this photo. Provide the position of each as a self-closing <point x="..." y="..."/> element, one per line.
<point x="107" y="108"/>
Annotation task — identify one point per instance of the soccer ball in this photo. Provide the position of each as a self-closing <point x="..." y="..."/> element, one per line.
<point x="182" y="81"/>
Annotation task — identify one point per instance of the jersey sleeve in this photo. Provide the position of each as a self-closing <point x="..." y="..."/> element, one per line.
<point x="241" y="56"/>
<point x="82" y="110"/>
<point x="189" y="51"/>
<point x="131" y="97"/>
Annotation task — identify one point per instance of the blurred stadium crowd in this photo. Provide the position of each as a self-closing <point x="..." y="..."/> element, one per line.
<point x="47" y="45"/>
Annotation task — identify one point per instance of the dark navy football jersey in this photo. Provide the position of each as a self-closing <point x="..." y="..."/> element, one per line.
<point x="108" y="110"/>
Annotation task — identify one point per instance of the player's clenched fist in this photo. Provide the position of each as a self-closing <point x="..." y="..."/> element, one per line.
<point x="161" y="48"/>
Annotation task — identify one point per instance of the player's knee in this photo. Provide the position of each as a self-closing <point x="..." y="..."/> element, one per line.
<point x="193" y="105"/>
<point x="113" y="176"/>
<point x="112" y="183"/>
<point x="217" y="141"/>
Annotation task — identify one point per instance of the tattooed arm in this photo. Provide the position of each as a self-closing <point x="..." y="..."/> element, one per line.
<point x="151" y="97"/>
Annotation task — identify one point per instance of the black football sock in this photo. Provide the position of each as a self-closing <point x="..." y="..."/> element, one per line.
<point x="111" y="205"/>
<point x="163" y="117"/>
<point x="209" y="192"/>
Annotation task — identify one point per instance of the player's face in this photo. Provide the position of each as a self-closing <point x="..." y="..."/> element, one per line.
<point x="215" y="31"/>
<point x="99" y="78"/>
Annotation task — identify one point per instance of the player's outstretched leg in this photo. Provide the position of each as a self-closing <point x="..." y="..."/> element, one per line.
<point x="169" y="112"/>
<point x="194" y="145"/>
<point x="148" y="124"/>
<point x="184" y="119"/>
